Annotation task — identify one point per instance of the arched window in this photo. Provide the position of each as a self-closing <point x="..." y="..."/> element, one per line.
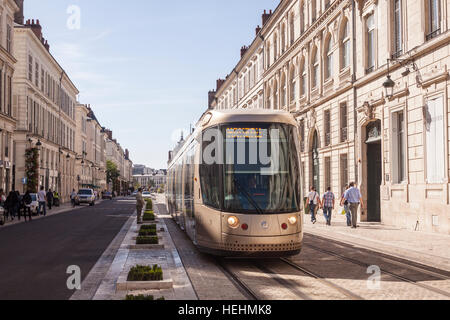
<point x="283" y="38"/>
<point x="292" y="84"/>
<point x="329" y="58"/>
<point x="315" y="69"/>
<point x="303" y="78"/>
<point x="292" y="29"/>
<point x="283" y="90"/>
<point x="345" y="45"/>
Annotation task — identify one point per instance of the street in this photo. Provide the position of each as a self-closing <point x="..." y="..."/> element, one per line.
<point x="36" y="255"/>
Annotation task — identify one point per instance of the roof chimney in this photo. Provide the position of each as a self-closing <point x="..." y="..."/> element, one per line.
<point x="219" y="83"/>
<point x="258" y="30"/>
<point x="36" y="28"/>
<point x="243" y="50"/>
<point x="211" y="97"/>
<point x="265" y="17"/>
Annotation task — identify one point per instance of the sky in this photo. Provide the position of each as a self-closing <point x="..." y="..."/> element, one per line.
<point x="146" y="66"/>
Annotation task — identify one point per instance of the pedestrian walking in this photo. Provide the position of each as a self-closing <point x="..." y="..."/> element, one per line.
<point x="20" y="205"/>
<point x="49" y="199"/>
<point x="73" y="197"/>
<point x="354" y="198"/>
<point x="42" y="199"/>
<point x="314" y="203"/>
<point x="328" y="203"/>
<point x="27" y="200"/>
<point x="11" y="204"/>
<point x="139" y="205"/>
<point x="345" y="204"/>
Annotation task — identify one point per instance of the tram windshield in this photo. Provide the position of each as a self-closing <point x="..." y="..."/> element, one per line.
<point x="261" y="169"/>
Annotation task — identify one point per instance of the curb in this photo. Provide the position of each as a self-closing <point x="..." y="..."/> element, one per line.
<point x="145" y="247"/>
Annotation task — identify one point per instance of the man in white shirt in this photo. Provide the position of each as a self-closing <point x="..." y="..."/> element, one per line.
<point x="314" y="203"/>
<point x="42" y="199"/>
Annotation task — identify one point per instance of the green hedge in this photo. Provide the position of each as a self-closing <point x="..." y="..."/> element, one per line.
<point x="149" y="211"/>
<point x="147" y="232"/>
<point x="149" y="217"/>
<point x="147" y="240"/>
<point x="145" y="273"/>
<point x="142" y="297"/>
<point x="149" y="205"/>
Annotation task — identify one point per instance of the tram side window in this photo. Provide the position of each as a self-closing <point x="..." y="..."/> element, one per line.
<point x="209" y="174"/>
<point x="209" y="178"/>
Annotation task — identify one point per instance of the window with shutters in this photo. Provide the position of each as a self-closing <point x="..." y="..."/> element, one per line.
<point x="343" y="166"/>
<point x="327" y="127"/>
<point x="435" y="151"/>
<point x="327" y="172"/>
<point x="302" y="135"/>
<point x="315" y="68"/>
<point x="30" y="68"/>
<point x="329" y="58"/>
<point x="344" y="122"/>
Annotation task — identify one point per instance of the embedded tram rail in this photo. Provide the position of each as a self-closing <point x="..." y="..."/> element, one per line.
<point x="407" y="279"/>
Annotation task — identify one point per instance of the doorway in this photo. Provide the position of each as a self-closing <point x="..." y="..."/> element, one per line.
<point x="374" y="172"/>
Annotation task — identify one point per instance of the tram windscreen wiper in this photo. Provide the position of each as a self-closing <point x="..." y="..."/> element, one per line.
<point x="249" y="197"/>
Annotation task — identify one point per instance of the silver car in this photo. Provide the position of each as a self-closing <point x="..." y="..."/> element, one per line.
<point x="85" y="196"/>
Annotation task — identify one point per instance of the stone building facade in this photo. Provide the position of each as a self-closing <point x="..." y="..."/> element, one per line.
<point x="45" y="99"/>
<point x="8" y="10"/>
<point x="91" y="150"/>
<point x="368" y="82"/>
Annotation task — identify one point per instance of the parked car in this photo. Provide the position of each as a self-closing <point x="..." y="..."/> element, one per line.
<point x="85" y="196"/>
<point x="107" y="195"/>
<point x="34" y="205"/>
<point x="134" y="194"/>
<point x="146" y="195"/>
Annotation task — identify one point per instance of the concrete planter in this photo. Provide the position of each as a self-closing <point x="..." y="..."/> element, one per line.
<point x="146" y="247"/>
<point x="124" y="285"/>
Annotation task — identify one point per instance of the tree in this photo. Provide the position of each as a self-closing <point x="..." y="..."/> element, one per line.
<point x="112" y="173"/>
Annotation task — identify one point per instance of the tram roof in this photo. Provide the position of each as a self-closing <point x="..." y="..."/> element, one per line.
<point x="215" y="117"/>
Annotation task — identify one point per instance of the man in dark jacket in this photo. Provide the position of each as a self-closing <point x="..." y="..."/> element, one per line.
<point x="50" y="199"/>
<point x="27" y="202"/>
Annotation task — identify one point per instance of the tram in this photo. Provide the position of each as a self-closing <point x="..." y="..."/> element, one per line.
<point x="235" y="185"/>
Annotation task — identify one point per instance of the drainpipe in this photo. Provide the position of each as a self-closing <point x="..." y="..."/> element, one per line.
<point x="355" y="91"/>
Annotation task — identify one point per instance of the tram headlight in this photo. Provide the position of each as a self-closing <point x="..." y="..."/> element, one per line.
<point x="233" y="222"/>
<point x="293" y="220"/>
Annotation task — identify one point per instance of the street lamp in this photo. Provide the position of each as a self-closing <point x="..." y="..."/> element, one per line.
<point x="389" y="87"/>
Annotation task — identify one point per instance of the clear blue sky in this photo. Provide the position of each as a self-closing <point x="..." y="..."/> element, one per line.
<point x="146" y="66"/>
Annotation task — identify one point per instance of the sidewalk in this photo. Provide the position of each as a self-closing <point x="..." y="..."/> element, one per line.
<point x="425" y="248"/>
<point x="55" y="210"/>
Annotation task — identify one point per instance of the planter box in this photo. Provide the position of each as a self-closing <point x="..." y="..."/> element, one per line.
<point x="124" y="285"/>
<point x="135" y="238"/>
<point x="146" y="247"/>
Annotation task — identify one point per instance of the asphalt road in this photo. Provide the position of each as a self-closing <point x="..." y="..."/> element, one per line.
<point x="34" y="257"/>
